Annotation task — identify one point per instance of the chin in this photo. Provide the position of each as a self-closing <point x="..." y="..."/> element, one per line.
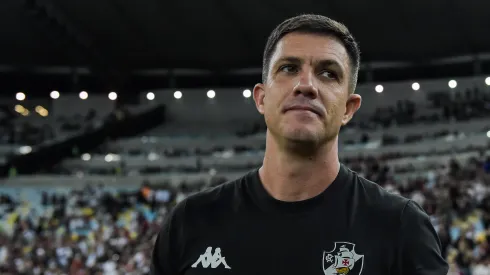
<point x="302" y="134"/>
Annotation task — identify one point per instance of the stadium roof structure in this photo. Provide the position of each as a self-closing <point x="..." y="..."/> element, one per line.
<point x="156" y="43"/>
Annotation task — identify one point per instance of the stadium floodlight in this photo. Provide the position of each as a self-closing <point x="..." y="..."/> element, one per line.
<point x="19" y="108"/>
<point x="41" y="111"/>
<point x="86" y="157"/>
<point x="247" y="93"/>
<point x="54" y="94"/>
<point x="487" y="81"/>
<point x="379" y="88"/>
<point x="20" y="96"/>
<point x="211" y="94"/>
<point x="452" y="84"/>
<point x="112" y="95"/>
<point x="177" y="94"/>
<point x="109" y="158"/>
<point x="150" y="96"/>
<point x="24" y="150"/>
<point x="83" y="95"/>
<point x="415" y="86"/>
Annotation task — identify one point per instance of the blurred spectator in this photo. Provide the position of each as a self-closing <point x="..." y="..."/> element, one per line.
<point x="93" y="231"/>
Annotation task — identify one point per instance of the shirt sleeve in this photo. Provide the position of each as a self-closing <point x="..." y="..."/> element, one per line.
<point x="166" y="253"/>
<point x="419" y="247"/>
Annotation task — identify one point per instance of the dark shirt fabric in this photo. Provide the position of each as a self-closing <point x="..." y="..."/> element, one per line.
<point x="353" y="227"/>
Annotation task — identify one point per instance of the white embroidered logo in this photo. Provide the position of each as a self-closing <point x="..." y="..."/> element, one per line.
<point x="208" y="259"/>
<point x="343" y="260"/>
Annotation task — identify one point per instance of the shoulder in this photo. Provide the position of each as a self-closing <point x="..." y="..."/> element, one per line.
<point x="375" y="205"/>
<point x="215" y="196"/>
<point x="374" y="197"/>
<point x="211" y="202"/>
<point x="399" y="208"/>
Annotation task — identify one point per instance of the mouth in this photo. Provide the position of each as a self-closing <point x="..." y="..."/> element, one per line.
<point x="303" y="108"/>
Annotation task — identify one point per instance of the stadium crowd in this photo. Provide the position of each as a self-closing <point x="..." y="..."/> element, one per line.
<point x="100" y="230"/>
<point x="86" y="231"/>
<point x="94" y="231"/>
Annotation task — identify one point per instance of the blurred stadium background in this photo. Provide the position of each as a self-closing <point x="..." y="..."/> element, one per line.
<point x="113" y="111"/>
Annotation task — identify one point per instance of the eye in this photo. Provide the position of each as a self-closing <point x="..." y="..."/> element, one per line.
<point x="289" y="68"/>
<point x="328" y="74"/>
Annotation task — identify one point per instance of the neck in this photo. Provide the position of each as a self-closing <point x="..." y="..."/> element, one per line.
<point x="294" y="177"/>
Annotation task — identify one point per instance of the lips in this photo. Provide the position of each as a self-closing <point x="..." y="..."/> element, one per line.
<point x="303" y="108"/>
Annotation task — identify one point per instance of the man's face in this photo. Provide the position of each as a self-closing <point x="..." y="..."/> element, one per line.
<point x="306" y="98"/>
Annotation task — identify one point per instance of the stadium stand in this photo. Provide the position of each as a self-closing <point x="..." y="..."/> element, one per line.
<point x="85" y="181"/>
<point x="98" y="211"/>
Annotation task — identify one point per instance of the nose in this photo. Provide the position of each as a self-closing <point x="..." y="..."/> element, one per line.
<point x="305" y="85"/>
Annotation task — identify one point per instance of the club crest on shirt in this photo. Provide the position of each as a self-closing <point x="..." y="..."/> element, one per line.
<point x="342" y="260"/>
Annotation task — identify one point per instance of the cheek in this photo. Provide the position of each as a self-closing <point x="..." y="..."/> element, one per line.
<point x="271" y="105"/>
<point x="334" y="100"/>
<point x="270" y="112"/>
<point x="333" y="106"/>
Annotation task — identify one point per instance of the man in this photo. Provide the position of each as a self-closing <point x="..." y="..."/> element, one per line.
<point x="302" y="212"/>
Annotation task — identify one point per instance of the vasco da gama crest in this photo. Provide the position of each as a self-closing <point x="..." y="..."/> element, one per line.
<point x="342" y="260"/>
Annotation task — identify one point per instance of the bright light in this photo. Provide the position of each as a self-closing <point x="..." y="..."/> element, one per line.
<point x="415" y="86"/>
<point x="247" y="93"/>
<point x="488" y="134"/>
<point x="41" y="111"/>
<point x="24" y="150"/>
<point x="487" y="81"/>
<point x="153" y="156"/>
<point x="112" y="157"/>
<point x="178" y="94"/>
<point x="379" y="88"/>
<point x="83" y="95"/>
<point x="19" y="108"/>
<point x="20" y="96"/>
<point x="211" y="94"/>
<point x="452" y="84"/>
<point x="112" y="96"/>
<point x="150" y="96"/>
<point x="25" y="112"/>
<point x="54" y="94"/>
<point x="86" y="157"/>
<point x="109" y="158"/>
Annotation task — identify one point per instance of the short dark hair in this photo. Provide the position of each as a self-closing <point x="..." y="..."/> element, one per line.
<point x="314" y="24"/>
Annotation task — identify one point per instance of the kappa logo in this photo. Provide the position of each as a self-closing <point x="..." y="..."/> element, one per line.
<point x="208" y="259"/>
<point x="342" y="260"/>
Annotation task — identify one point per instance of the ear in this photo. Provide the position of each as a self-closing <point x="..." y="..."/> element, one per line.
<point x="352" y="105"/>
<point x="259" y="96"/>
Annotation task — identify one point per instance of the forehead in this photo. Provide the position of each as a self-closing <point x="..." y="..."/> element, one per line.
<point x="311" y="47"/>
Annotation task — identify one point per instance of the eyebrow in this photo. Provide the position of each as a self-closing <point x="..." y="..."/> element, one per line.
<point x="288" y="59"/>
<point x="334" y="64"/>
<point x="321" y="63"/>
<point x="330" y="63"/>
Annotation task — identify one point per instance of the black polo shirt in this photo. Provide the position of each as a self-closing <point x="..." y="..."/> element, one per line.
<point x="353" y="227"/>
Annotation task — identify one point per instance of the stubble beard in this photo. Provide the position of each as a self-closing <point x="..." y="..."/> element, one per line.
<point x="301" y="142"/>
